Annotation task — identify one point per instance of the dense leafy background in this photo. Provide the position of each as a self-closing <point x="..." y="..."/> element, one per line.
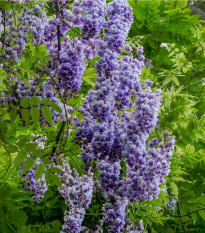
<point x="178" y="69"/>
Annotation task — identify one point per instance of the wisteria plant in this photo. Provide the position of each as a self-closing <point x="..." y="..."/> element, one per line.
<point x="92" y="138"/>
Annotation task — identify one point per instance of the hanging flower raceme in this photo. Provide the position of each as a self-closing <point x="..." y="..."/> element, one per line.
<point x="93" y="17"/>
<point x="119" y="15"/>
<point x="77" y="192"/>
<point x="68" y="64"/>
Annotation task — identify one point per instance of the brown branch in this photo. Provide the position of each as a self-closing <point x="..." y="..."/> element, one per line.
<point x="203" y="79"/>
<point x="91" y="62"/>
<point x="184" y="215"/>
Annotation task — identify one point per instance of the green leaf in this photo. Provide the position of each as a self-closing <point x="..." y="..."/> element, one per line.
<point x="2" y="79"/>
<point x="38" y="153"/>
<point x="56" y="180"/>
<point x="19" y="216"/>
<point x="174" y="189"/>
<point x="25" y="115"/>
<point x="48" y="177"/>
<point x="28" y="70"/>
<point x="35" y="114"/>
<point x="189" y="149"/>
<point x="45" y="101"/>
<point x="25" y="102"/>
<point x="20" y="158"/>
<point x="28" y="164"/>
<point x="4" y="191"/>
<point x="30" y="147"/>
<point x="12" y="149"/>
<point x="13" y="115"/>
<point x="175" y="80"/>
<point x="34" y="100"/>
<point x="22" y="142"/>
<point x="39" y="171"/>
<point x="46" y="161"/>
<point x="55" y="107"/>
<point x="55" y="169"/>
<point x="47" y="114"/>
<point x="89" y="75"/>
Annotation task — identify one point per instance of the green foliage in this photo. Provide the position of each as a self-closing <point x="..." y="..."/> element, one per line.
<point x="178" y="70"/>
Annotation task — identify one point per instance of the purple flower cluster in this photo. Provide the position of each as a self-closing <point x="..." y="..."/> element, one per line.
<point x="126" y="77"/>
<point x="114" y="215"/>
<point x="120" y="18"/>
<point x="68" y="64"/>
<point x="106" y="135"/>
<point x="77" y="192"/>
<point x="15" y="38"/>
<point x="119" y="15"/>
<point x="109" y="175"/>
<point x="171" y="204"/>
<point x="93" y="17"/>
<point x="38" y="187"/>
<point x="96" y="133"/>
<point x="73" y="220"/>
<point x="143" y="178"/>
<point x="129" y="227"/>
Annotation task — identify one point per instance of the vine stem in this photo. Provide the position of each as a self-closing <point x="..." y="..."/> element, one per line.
<point x="184" y="227"/>
<point x="184" y="215"/>
<point x="90" y="62"/>
<point x="203" y="79"/>
<point x="201" y="90"/>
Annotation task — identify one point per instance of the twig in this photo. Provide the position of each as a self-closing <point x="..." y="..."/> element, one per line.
<point x="184" y="215"/>
<point x="195" y="72"/>
<point x="58" y="137"/>
<point x="3" y="42"/>
<point x="13" y="13"/>
<point x="203" y="79"/>
<point x="184" y="227"/>
<point x="91" y="62"/>
<point x="201" y="90"/>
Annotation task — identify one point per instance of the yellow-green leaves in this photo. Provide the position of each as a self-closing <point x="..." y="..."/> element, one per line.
<point x="174" y="189"/>
<point x="47" y="114"/>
